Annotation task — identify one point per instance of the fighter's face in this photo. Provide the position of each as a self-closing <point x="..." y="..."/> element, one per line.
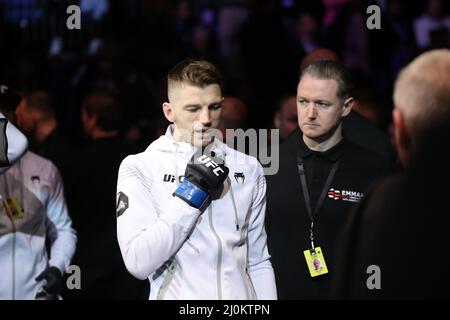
<point x="194" y="111"/>
<point x="320" y="111"/>
<point x="24" y="116"/>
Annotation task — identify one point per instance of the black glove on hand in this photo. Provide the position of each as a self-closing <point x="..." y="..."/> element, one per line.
<point x="54" y="280"/>
<point x="203" y="175"/>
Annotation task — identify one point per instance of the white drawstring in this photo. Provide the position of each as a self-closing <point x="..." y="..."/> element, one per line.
<point x="236" y="220"/>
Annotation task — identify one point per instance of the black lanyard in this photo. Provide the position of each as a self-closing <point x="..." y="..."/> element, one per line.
<point x="313" y="214"/>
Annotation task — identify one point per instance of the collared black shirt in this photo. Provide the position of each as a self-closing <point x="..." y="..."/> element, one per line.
<point x="318" y="166"/>
<point x="288" y="223"/>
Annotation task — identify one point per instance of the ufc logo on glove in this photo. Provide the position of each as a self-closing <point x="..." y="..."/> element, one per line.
<point x="210" y="163"/>
<point x="203" y="176"/>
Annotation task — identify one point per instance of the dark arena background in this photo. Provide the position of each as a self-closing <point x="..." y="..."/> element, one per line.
<point x="85" y="82"/>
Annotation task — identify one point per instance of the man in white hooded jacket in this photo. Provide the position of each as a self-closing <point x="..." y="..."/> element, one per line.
<point x="190" y="221"/>
<point x="33" y="211"/>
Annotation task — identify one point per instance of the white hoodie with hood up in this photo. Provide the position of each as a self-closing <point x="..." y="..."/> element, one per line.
<point x="13" y="143"/>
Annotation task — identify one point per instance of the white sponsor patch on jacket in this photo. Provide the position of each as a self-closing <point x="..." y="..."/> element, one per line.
<point x="346" y="195"/>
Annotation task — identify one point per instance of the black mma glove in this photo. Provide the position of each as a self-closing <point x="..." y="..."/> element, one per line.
<point x="54" y="280"/>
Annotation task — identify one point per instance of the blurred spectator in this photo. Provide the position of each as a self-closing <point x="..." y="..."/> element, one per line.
<point x="232" y="14"/>
<point x="234" y="114"/>
<point x="355" y="53"/>
<point x="307" y="32"/>
<point x="400" y="25"/>
<point x="403" y="222"/>
<point x="233" y="117"/>
<point x="22" y="12"/>
<point x="36" y="118"/>
<point x="103" y="273"/>
<point x="332" y="8"/>
<point x="128" y="46"/>
<point x="202" y="44"/>
<point x="96" y="9"/>
<point x="360" y="48"/>
<point x="184" y="21"/>
<point x="285" y="118"/>
<point x="366" y="105"/>
<point x="267" y="50"/>
<point x="433" y="19"/>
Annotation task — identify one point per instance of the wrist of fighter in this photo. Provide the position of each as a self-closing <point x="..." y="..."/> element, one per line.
<point x="192" y="194"/>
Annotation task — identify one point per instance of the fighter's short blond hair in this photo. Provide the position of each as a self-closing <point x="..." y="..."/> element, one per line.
<point x="199" y="73"/>
<point x="422" y="90"/>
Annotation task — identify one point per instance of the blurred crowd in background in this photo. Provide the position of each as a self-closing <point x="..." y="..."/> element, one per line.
<point x="127" y="47"/>
<point x="94" y="95"/>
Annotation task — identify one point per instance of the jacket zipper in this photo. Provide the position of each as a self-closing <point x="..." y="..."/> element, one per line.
<point x="13" y="258"/>
<point x="167" y="279"/>
<point x="14" y="231"/>
<point x="14" y="265"/>
<point x="219" y="255"/>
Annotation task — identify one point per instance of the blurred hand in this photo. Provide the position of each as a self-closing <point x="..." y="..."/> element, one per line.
<point x="53" y="277"/>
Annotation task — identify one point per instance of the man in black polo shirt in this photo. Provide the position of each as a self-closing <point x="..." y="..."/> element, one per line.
<point x="321" y="176"/>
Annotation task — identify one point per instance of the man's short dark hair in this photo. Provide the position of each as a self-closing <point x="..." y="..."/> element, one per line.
<point x="106" y="107"/>
<point x="330" y="69"/>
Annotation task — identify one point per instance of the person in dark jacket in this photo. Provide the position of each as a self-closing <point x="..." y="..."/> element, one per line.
<point x="386" y="249"/>
<point x="322" y="174"/>
<point x="104" y="275"/>
<point x="36" y="117"/>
